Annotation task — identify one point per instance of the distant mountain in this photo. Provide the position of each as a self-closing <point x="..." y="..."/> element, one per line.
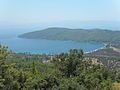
<point x="81" y="35"/>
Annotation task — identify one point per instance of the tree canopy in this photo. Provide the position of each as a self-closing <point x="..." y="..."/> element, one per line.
<point x="67" y="71"/>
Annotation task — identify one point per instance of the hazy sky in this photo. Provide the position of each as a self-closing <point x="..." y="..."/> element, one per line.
<point x="45" y="11"/>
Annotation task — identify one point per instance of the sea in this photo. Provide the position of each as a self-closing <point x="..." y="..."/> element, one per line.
<point x="42" y="46"/>
<point x="9" y="37"/>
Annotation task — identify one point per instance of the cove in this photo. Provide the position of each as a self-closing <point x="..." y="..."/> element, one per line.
<point x="42" y="46"/>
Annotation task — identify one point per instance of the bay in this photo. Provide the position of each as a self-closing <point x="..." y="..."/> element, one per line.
<point x="42" y="46"/>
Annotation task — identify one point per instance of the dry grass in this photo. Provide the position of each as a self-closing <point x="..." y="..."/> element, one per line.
<point x="116" y="86"/>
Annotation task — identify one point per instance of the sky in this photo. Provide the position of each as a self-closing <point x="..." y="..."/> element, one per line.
<point x="51" y="11"/>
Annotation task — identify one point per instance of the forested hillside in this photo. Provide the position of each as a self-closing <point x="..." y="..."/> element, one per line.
<point x="65" y="71"/>
<point x="84" y="35"/>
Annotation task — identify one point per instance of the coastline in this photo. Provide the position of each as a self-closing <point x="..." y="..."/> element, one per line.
<point x="85" y="52"/>
<point x="105" y="44"/>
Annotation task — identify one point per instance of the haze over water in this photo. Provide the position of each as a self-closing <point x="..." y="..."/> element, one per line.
<point x="21" y="16"/>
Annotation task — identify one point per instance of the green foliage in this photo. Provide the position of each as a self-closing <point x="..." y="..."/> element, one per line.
<point x="84" y="35"/>
<point x="67" y="71"/>
<point x="3" y="52"/>
<point x="69" y="62"/>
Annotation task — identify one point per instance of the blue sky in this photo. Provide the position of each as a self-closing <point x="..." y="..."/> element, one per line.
<point x="49" y="11"/>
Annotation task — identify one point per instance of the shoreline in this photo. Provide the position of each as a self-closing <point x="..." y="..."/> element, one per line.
<point x="105" y="44"/>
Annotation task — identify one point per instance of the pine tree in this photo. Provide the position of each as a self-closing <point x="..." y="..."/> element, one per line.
<point x="3" y="67"/>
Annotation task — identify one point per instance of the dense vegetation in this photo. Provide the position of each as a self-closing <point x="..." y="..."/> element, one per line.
<point x="84" y="35"/>
<point x="65" y="71"/>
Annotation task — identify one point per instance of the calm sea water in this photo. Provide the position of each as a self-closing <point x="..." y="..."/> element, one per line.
<point x="9" y="33"/>
<point x="46" y="46"/>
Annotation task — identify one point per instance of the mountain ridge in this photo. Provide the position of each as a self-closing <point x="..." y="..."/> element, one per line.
<point x="80" y="35"/>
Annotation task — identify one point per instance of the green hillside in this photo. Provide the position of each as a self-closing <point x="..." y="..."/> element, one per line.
<point x="84" y="35"/>
<point x="65" y="71"/>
